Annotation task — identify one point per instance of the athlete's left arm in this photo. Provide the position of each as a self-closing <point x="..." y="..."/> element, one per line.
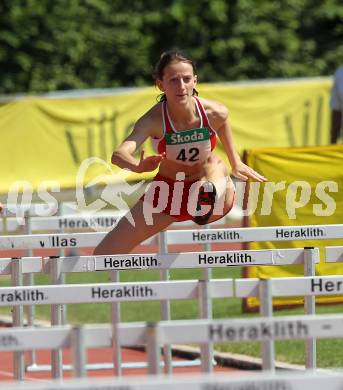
<point x="239" y="169"/>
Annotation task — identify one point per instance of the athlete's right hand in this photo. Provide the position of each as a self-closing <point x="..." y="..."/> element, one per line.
<point x="150" y="163"/>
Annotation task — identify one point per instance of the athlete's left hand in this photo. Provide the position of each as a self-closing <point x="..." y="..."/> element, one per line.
<point x="244" y="172"/>
<point x="150" y="163"/>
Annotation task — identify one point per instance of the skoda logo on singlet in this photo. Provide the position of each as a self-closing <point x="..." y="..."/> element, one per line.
<point x="184" y="137"/>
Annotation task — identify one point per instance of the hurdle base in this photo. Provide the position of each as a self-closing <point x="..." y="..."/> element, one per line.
<point x="110" y="366"/>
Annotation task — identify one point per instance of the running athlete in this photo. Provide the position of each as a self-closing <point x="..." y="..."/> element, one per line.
<point x="192" y="183"/>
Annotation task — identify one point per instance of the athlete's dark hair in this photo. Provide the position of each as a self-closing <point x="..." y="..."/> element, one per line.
<point x="166" y="58"/>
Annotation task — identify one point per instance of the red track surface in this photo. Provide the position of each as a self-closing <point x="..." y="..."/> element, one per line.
<point x="94" y="356"/>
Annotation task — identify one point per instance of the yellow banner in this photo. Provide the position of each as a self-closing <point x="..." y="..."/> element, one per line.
<point x="304" y="188"/>
<point x="48" y="138"/>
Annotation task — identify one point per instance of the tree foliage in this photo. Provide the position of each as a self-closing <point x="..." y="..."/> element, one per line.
<point x="56" y="45"/>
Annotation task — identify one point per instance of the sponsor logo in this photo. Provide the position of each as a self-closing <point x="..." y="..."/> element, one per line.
<point x="130" y="262"/>
<point x="22" y="296"/>
<point x="57" y="242"/>
<point x="179" y="138"/>
<point x="320" y="285"/>
<point x="227" y="259"/>
<point x="8" y="341"/>
<point x="284" y="330"/>
<point x="216" y="236"/>
<point x="307" y="232"/>
<point x="87" y="222"/>
<point x="136" y="291"/>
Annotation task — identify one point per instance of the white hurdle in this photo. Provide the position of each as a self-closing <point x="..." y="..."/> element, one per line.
<point x="288" y="287"/>
<point x="252" y="234"/>
<point x="61" y="241"/>
<point x="334" y="254"/>
<point x="18" y="340"/>
<point x="109" y="292"/>
<point x="155" y="335"/>
<point x="168" y="261"/>
<point x="330" y="285"/>
<point x="280" y="381"/>
<point x="57" y="223"/>
<point x="198" y="236"/>
<point x="233" y="330"/>
<point x="204" y="237"/>
<point x="66" y="215"/>
<point x="213" y="259"/>
<point x="53" y="294"/>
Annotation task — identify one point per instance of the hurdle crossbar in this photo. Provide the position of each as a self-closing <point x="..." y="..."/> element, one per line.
<point x="334" y="254"/>
<point x="236" y="330"/>
<point x="190" y="331"/>
<point x="181" y="331"/>
<point x="251" y="234"/>
<point x="211" y="259"/>
<point x="332" y="380"/>
<point x="110" y="292"/>
<point x="78" y="221"/>
<point x="29" y="265"/>
<point x="90" y="239"/>
<point x="288" y="287"/>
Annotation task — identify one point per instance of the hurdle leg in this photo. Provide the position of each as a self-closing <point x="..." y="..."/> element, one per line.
<point x="63" y="308"/>
<point x="266" y="310"/>
<point x="30" y="281"/>
<point x="56" y="355"/>
<point x="78" y="344"/>
<point x="153" y="349"/>
<point x="31" y="315"/>
<point x="116" y="317"/>
<point x="310" y="309"/>
<point x="17" y="280"/>
<point x="4" y="222"/>
<point x="206" y="350"/>
<point x="165" y="304"/>
<point x="206" y="312"/>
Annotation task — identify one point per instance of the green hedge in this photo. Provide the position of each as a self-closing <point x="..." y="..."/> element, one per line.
<point x="65" y="44"/>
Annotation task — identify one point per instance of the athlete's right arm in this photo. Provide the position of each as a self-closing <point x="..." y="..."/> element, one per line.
<point x="123" y="156"/>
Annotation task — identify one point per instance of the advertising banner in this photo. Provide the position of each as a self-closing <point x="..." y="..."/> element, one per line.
<point x="304" y="188"/>
<point x="48" y="142"/>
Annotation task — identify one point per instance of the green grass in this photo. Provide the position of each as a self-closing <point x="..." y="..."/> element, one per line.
<point x="329" y="352"/>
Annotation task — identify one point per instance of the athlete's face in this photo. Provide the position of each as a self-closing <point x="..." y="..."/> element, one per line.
<point x="178" y="81"/>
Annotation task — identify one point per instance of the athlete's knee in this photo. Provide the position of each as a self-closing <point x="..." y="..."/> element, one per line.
<point x="99" y="251"/>
<point x="104" y="250"/>
<point x="230" y="199"/>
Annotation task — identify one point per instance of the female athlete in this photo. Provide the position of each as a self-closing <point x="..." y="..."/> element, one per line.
<point x="192" y="183"/>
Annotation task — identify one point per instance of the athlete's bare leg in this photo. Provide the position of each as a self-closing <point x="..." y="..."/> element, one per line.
<point x="125" y="237"/>
<point x="226" y="196"/>
<point x="217" y="173"/>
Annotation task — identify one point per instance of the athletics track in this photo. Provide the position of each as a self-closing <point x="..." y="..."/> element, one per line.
<point x="104" y="354"/>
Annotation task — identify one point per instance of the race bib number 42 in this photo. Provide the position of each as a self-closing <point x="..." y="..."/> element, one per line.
<point x="188" y="147"/>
